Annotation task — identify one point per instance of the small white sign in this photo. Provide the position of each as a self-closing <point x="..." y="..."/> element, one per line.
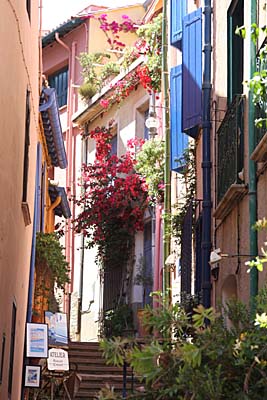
<point x="58" y="360"/>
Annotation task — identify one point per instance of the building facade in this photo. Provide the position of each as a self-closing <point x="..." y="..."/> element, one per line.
<point x="19" y="77"/>
<point x="211" y="105"/>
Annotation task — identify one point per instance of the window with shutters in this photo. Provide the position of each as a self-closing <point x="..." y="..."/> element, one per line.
<point x="192" y="73"/>
<point x="59" y="81"/>
<point x="179" y="141"/>
<point x="178" y="10"/>
<point x="235" y="50"/>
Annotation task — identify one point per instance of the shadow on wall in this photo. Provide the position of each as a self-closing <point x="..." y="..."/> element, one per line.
<point x="229" y="292"/>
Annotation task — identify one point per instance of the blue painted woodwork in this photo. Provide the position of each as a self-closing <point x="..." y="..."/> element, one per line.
<point x="59" y="81"/>
<point x="179" y="141"/>
<point x="192" y="72"/>
<point x="34" y="230"/>
<point x="178" y="11"/>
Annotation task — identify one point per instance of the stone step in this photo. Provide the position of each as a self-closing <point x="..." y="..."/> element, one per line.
<point x="82" y="368"/>
<point x="95" y="373"/>
<point x="85" y="353"/>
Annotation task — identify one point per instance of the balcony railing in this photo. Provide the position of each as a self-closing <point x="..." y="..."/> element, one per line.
<point x="230" y="151"/>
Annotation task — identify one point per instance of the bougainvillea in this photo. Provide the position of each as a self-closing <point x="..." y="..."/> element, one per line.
<point x="148" y="45"/>
<point x="113" y="200"/>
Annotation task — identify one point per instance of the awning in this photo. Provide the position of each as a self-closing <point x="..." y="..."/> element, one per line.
<point x="63" y="209"/>
<point x="52" y="127"/>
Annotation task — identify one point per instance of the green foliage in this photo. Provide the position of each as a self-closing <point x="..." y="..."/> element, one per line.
<point x="95" y="71"/>
<point x="49" y="253"/>
<point x="151" y="33"/>
<point x="110" y="68"/>
<point x="150" y="164"/>
<point x="199" y="361"/>
<point x="258" y="83"/>
<point x="118" y="320"/>
<point x="259" y="261"/>
<point x="115" y="350"/>
<point x="188" y="179"/>
<point x="107" y="393"/>
<point x="202" y="316"/>
<point x="87" y="90"/>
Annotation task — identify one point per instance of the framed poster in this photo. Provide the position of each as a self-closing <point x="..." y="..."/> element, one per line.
<point x="32" y="376"/>
<point x="57" y="328"/>
<point x="37" y="340"/>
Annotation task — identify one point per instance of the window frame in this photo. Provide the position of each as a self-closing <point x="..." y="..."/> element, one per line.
<point x="235" y="45"/>
<point x="62" y="96"/>
<point x="26" y="148"/>
<point x="12" y="347"/>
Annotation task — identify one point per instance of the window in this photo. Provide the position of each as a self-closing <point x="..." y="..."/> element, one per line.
<point x="28" y="6"/>
<point x="114" y="145"/>
<point x="192" y="73"/>
<point x="2" y="356"/>
<point x="146" y="130"/>
<point x="235" y="49"/>
<point x="59" y="81"/>
<point x="26" y="148"/>
<point x="12" y="347"/>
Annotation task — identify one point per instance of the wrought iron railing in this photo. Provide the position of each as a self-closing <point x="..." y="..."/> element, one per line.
<point x="230" y="153"/>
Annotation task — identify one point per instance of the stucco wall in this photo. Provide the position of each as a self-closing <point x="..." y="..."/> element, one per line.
<point x="18" y="72"/>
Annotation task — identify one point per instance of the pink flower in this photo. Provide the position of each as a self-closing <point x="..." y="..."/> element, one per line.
<point x="104" y="103"/>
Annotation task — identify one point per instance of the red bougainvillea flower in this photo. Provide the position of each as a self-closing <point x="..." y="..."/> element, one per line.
<point x="113" y="199"/>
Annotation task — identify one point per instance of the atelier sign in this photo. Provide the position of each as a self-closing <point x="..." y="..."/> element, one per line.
<point x="58" y="360"/>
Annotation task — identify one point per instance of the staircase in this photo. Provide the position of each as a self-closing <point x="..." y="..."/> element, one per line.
<point x="95" y="374"/>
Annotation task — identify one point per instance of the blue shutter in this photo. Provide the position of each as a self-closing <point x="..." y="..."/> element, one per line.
<point x="178" y="11"/>
<point x="179" y="141"/>
<point x="192" y="72"/>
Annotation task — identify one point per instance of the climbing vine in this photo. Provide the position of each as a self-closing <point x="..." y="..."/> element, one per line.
<point x="188" y="179"/>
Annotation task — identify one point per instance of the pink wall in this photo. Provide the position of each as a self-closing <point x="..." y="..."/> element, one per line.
<point x="18" y="72"/>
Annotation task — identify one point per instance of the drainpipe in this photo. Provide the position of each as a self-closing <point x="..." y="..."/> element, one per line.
<point x="206" y="161"/>
<point x="51" y="214"/>
<point x="253" y="237"/>
<point x="70" y="173"/>
<point x="81" y="284"/>
<point x="167" y="174"/>
<point x="72" y="153"/>
<point x="67" y="238"/>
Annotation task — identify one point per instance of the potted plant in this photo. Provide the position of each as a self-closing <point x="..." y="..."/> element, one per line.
<point x="51" y="269"/>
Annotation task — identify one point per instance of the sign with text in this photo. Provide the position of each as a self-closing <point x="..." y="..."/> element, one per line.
<point x="58" y="360"/>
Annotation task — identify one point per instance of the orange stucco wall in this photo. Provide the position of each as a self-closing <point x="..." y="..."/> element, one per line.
<point x="18" y="72"/>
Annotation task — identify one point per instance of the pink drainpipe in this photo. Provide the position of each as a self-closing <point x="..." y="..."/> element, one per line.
<point x="157" y="274"/>
<point x="69" y="239"/>
<point x="158" y="232"/>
